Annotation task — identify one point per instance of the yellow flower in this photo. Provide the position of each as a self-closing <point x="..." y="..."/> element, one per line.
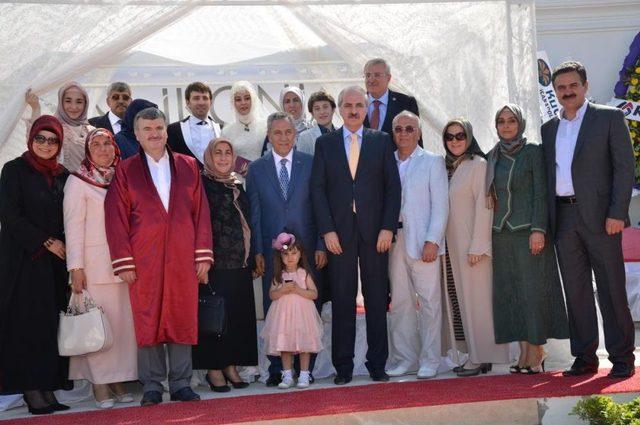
<point x="632" y="90"/>
<point x="634" y="123"/>
<point x="638" y="70"/>
<point x="634" y="81"/>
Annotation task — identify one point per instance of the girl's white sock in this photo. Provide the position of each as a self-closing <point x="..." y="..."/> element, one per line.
<point x="287" y="373"/>
<point x="304" y="373"/>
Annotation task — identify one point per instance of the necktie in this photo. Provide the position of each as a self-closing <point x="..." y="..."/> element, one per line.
<point x="354" y="156"/>
<point x="119" y="122"/>
<point x="202" y="123"/>
<point x="375" y="115"/>
<point x="283" y="176"/>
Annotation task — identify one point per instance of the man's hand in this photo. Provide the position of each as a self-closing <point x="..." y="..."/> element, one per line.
<point x="128" y="276"/>
<point x="202" y="271"/>
<point x="332" y="243"/>
<point x="429" y="252"/>
<point x="536" y="242"/>
<point x="384" y="240"/>
<point x="259" y="265"/>
<point x="614" y="226"/>
<point x="321" y="259"/>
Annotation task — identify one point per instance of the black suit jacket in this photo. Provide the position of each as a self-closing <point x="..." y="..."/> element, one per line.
<point x="398" y="102"/>
<point x="101" y="122"/>
<point x="602" y="170"/>
<point x="176" y="142"/>
<point x="375" y="189"/>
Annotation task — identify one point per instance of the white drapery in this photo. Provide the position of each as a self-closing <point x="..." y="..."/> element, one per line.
<point x="456" y="58"/>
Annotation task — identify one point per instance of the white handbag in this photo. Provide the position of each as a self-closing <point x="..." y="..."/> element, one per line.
<point x="83" y="328"/>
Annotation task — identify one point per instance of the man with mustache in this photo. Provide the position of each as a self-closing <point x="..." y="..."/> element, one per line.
<point x="118" y="98"/>
<point x="355" y="190"/>
<point x="192" y="135"/>
<point x="590" y="174"/>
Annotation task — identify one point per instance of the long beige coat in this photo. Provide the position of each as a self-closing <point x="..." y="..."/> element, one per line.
<point x="469" y="232"/>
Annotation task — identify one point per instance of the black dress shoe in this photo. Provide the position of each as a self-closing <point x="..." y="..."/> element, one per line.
<point x="59" y="407"/>
<point x="379" y="376"/>
<point x="185" y="394"/>
<point x="580" y="367"/>
<point x="274" y="380"/>
<point x="622" y="370"/>
<point x="342" y="379"/>
<point x="151" y="398"/>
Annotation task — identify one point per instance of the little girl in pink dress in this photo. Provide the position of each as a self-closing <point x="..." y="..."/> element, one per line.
<point x="292" y="325"/>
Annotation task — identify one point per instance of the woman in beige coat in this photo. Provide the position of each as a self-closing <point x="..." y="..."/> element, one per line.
<point x="468" y="240"/>
<point x="89" y="264"/>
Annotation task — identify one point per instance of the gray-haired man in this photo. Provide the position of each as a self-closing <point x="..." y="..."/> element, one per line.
<point x="118" y="98"/>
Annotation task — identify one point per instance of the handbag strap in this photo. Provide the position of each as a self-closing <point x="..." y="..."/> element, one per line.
<point x="80" y="303"/>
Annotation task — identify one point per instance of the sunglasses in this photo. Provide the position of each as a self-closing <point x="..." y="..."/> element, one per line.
<point x="409" y="129"/>
<point x="117" y="97"/>
<point x="40" y="139"/>
<point x="458" y="136"/>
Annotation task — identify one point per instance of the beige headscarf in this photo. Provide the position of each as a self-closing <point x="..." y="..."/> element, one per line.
<point x="230" y="180"/>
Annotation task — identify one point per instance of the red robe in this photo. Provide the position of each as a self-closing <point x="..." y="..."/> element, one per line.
<point x="162" y="247"/>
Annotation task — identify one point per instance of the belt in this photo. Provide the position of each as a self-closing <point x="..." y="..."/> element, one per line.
<point x="400" y="225"/>
<point x="567" y="199"/>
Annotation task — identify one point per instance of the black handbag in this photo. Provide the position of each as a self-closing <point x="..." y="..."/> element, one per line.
<point x="212" y="313"/>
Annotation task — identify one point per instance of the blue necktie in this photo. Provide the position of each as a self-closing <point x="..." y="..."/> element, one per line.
<point x="283" y="176"/>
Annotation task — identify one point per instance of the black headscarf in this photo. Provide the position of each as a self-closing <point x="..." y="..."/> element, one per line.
<point x="126" y="139"/>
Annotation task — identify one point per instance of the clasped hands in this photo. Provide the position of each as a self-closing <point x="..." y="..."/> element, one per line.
<point x="383" y="244"/>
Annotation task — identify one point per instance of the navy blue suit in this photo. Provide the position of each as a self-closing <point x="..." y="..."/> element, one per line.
<point x="376" y="193"/>
<point x="271" y="213"/>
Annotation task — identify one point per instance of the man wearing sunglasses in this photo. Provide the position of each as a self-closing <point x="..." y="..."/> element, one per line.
<point x="118" y="98"/>
<point x="414" y="268"/>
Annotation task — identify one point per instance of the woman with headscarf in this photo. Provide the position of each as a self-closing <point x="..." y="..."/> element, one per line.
<point x="292" y="104"/>
<point x="468" y="252"/>
<point x="89" y="263"/>
<point x="33" y="276"/>
<point x="528" y="305"/>
<point x="230" y="275"/>
<point x="249" y="130"/>
<point x="73" y="104"/>
<point x="126" y="138"/>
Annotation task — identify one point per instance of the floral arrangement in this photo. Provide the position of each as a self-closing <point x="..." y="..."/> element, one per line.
<point x="628" y="87"/>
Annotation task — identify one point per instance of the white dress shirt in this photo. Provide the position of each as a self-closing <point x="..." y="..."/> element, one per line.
<point x="346" y="134"/>
<point x="403" y="165"/>
<point x="566" y="139"/>
<point x="277" y="158"/>
<point x="201" y="135"/>
<point x="161" y="176"/>
<point x="384" y="101"/>
<point x="115" y="122"/>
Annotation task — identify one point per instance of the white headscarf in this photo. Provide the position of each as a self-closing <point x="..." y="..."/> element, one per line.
<point x="248" y="131"/>
<point x="303" y="122"/>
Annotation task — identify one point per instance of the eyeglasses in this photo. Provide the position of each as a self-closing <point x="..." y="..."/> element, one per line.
<point x="40" y="139"/>
<point x="409" y="129"/>
<point x="117" y="96"/>
<point x="458" y="136"/>
<point x="374" y="74"/>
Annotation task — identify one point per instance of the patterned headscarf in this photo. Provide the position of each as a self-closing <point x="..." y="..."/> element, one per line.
<point x="91" y="172"/>
<point x="49" y="168"/>
<point x="62" y="115"/>
<point x="301" y="123"/>
<point x="472" y="148"/>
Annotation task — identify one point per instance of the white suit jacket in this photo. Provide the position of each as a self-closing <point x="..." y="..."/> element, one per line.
<point x="425" y="202"/>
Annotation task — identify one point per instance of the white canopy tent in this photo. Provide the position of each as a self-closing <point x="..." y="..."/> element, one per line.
<point x="457" y="58"/>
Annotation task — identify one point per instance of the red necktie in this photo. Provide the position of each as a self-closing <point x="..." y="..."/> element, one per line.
<point x="375" y="116"/>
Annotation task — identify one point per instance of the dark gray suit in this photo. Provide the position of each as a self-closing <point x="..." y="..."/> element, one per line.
<point x="602" y="173"/>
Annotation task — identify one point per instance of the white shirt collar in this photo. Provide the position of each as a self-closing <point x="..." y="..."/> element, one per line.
<point x="195" y="120"/>
<point x="163" y="159"/>
<point x="415" y="151"/>
<point x="384" y="99"/>
<point x="579" y="114"/>
<point x="278" y="158"/>
<point x="113" y="118"/>
<point x="347" y="134"/>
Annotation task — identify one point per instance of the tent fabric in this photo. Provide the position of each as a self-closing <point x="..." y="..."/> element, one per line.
<point x="456" y="58"/>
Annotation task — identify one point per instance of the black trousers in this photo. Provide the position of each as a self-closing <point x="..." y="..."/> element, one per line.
<point x="343" y="283"/>
<point x="579" y="252"/>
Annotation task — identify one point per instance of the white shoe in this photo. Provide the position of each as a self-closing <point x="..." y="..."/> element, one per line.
<point x="398" y="371"/>
<point x="303" y="381"/>
<point x="426" y="373"/>
<point x="287" y="382"/>
<point x="105" y="404"/>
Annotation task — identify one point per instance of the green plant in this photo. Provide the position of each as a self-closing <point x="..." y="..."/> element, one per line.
<point x="601" y="410"/>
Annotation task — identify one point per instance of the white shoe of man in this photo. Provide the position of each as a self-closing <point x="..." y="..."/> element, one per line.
<point x="426" y="373"/>
<point x="399" y="371"/>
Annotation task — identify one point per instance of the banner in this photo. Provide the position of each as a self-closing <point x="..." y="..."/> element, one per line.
<point x="631" y="109"/>
<point x="548" y="101"/>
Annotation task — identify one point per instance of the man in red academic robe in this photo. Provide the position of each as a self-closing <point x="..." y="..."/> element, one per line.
<point x="159" y="233"/>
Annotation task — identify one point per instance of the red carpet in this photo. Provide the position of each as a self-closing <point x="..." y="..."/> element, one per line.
<point x="350" y="399"/>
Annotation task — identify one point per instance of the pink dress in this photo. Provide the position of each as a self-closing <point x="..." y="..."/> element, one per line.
<point x="293" y="323"/>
